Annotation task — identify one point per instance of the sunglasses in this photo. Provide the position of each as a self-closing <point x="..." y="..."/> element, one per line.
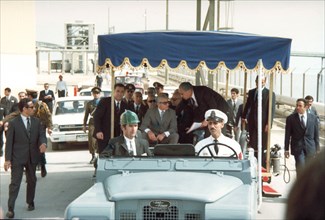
<point x="163" y="103"/>
<point x="130" y="91"/>
<point x="151" y="101"/>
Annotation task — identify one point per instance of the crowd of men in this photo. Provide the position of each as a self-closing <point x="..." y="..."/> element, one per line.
<point x="195" y="115"/>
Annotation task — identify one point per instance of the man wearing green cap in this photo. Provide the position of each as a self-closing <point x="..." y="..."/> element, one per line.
<point x="128" y="144"/>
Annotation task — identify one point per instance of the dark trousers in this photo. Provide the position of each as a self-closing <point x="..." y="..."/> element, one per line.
<point x="61" y="93"/>
<point x="1" y="139"/>
<point x="42" y="159"/>
<point x="253" y="144"/>
<point x="300" y="160"/>
<point x="17" y="171"/>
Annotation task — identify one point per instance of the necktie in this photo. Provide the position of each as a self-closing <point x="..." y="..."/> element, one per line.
<point x="28" y="127"/>
<point x="302" y="122"/>
<point x="192" y="103"/>
<point x="234" y="106"/>
<point x="137" y="109"/>
<point x="216" y="148"/>
<point x="118" y="106"/>
<point x="131" y="151"/>
<point x="162" y="114"/>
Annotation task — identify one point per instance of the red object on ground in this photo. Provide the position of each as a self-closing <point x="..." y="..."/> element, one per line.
<point x="75" y="90"/>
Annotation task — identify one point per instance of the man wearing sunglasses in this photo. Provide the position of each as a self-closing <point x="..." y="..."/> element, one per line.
<point x="160" y="124"/>
<point x="129" y="91"/>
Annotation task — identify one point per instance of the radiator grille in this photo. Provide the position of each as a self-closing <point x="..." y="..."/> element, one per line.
<point x="128" y="216"/>
<point x="192" y="216"/>
<point x="170" y="214"/>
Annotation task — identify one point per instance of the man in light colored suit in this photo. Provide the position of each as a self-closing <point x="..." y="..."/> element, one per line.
<point x="302" y="135"/>
<point x="160" y="124"/>
<point x="25" y="140"/>
<point x="128" y="144"/>
<point x="234" y="104"/>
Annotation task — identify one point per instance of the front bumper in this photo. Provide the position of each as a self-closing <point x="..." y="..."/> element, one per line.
<point x="69" y="137"/>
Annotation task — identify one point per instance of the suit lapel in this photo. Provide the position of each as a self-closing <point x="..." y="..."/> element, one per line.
<point x="123" y="143"/>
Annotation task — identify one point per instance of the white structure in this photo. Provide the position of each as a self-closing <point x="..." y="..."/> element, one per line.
<point x="17" y="48"/>
<point x="78" y="36"/>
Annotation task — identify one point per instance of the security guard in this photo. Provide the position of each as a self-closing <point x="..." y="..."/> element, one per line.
<point x="90" y="110"/>
<point x="159" y="87"/>
<point x="129" y="91"/>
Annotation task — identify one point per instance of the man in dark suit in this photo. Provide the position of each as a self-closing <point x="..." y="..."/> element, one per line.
<point x="202" y="99"/>
<point x="234" y="104"/>
<point x="25" y="140"/>
<point x="250" y="114"/>
<point x="47" y="96"/>
<point x="102" y="117"/>
<point x="128" y="144"/>
<point x="138" y="106"/>
<point x="160" y="124"/>
<point x="302" y="135"/>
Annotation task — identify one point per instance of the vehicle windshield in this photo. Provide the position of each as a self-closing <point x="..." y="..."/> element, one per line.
<point x="70" y="107"/>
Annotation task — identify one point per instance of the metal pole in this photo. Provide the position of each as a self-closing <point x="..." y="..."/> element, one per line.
<point x="259" y="126"/>
<point x="49" y="62"/>
<point x="198" y="15"/>
<point x="145" y="19"/>
<point x="218" y="14"/>
<point x="269" y="123"/>
<point x="167" y="9"/>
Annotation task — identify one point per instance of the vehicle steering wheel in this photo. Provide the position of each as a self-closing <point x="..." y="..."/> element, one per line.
<point x="234" y="155"/>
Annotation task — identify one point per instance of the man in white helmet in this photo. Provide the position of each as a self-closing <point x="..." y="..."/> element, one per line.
<point x="128" y="144"/>
<point x="216" y="120"/>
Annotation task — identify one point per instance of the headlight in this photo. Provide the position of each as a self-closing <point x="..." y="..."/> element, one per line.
<point x="56" y="128"/>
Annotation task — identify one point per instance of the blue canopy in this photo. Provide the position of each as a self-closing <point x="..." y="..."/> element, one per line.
<point x="194" y="47"/>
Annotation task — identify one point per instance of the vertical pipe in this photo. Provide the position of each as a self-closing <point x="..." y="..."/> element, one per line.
<point x="218" y="15"/>
<point x="49" y="62"/>
<point x="198" y="15"/>
<point x="167" y="9"/>
<point x="269" y="123"/>
<point x="303" y="84"/>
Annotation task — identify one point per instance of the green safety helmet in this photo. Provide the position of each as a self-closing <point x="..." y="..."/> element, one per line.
<point x="128" y="118"/>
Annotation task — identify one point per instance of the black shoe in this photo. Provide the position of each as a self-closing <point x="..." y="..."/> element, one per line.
<point x="43" y="171"/>
<point x="31" y="207"/>
<point x="10" y="214"/>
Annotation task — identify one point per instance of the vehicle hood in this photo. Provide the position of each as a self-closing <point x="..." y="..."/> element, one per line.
<point x="203" y="187"/>
<point x="68" y="119"/>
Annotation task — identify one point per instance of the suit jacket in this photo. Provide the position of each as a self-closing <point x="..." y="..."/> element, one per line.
<point x="299" y="138"/>
<point x="209" y="99"/>
<point x="234" y="110"/>
<point x="142" y="110"/>
<point x="102" y="120"/>
<point x="10" y="105"/>
<point x="49" y="102"/>
<point x="19" y="147"/>
<point x="153" y="121"/>
<point x="250" y="109"/>
<point x="117" y="147"/>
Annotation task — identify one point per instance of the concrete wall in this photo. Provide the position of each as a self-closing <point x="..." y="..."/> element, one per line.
<point x="17" y="46"/>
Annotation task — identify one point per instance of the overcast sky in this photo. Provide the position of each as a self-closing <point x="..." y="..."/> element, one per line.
<point x="303" y="21"/>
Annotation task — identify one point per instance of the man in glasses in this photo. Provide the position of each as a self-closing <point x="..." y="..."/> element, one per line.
<point x="128" y="96"/>
<point x="151" y="101"/>
<point x="25" y="140"/>
<point x="160" y="124"/>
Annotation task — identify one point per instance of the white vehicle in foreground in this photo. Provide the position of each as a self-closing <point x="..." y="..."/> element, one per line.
<point x="67" y="117"/>
<point x="173" y="184"/>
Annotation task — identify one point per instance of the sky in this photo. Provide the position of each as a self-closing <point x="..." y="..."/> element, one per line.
<point x="302" y="21"/>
